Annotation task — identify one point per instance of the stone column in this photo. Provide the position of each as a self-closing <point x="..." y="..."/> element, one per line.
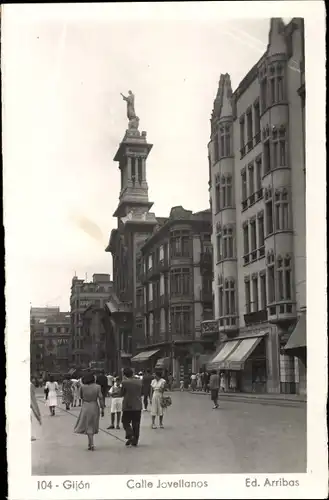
<point x="194" y="364"/>
<point x="272" y="362"/>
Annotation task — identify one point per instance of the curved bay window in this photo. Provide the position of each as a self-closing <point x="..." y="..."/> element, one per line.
<point x="180" y="244"/>
<point x="228" y="244"/>
<point x="281" y="203"/>
<point x="225" y="140"/>
<point x="226" y="188"/>
<point x="181" y="281"/>
<point x="284" y="278"/>
<point x="181" y="321"/>
<point x="226" y="301"/>
<point x="279" y="147"/>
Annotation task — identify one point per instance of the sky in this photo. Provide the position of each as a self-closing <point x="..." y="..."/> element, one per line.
<point x="65" y="119"/>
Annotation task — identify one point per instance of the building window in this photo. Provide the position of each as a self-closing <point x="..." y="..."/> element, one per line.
<point x="242" y="135"/>
<point x="259" y="189"/>
<point x="246" y="242"/>
<point x="271" y="278"/>
<point x="219" y="243"/>
<point x="253" y="238"/>
<point x="220" y="297"/>
<point x="180" y="281"/>
<point x="180" y="244"/>
<point x="247" y="295"/>
<point x="226" y="185"/>
<point x="257" y="121"/>
<point x="263" y="93"/>
<point x="133" y="169"/>
<point x="228" y="140"/>
<point x="269" y="213"/>
<point x="284" y="278"/>
<point x="140" y="170"/>
<point x="217" y="193"/>
<point x="279" y="147"/>
<point x="263" y="295"/>
<point x="281" y="204"/>
<point x="271" y="82"/>
<point x="244" y="188"/>
<point x="181" y="320"/>
<point x="267" y="156"/>
<point x="261" y="235"/>
<point x="251" y="181"/>
<point x="216" y="149"/>
<point x="228" y="243"/>
<point x="249" y="129"/>
<point x="230" y="308"/>
<point x="255" y="293"/>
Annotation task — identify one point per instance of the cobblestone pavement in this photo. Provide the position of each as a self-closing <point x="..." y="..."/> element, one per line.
<point x="237" y="438"/>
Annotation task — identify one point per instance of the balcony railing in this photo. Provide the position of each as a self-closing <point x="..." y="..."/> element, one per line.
<point x="209" y="328"/>
<point x="255" y="317"/>
<point x="182" y="336"/>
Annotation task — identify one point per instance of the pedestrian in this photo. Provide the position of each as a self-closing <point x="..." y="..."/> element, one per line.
<point x="116" y="403"/>
<point x="181" y="385"/>
<point x="76" y="392"/>
<point x="193" y="382"/>
<point x="198" y="382"/>
<point x="102" y="381"/>
<point x="233" y="381"/>
<point x="158" y="387"/>
<point x="223" y="385"/>
<point x="170" y="381"/>
<point x="146" y="388"/>
<point x="67" y="389"/>
<point x="92" y="400"/>
<point x="131" y="391"/>
<point x="207" y="381"/>
<point x="214" y="388"/>
<point x="51" y="401"/>
<point x="35" y="410"/>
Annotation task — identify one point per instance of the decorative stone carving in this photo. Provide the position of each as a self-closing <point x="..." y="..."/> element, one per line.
<point x="246" y="278"/>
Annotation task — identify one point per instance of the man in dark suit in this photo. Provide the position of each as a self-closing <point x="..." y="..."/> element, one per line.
<point x="131" y="392"/>
<point x="101" y="380"/>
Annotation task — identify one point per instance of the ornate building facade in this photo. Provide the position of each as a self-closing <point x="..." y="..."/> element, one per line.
<point x="174" y="292"/>
<point x="257" y="191"/>
<point x="57" y="340"/>
<point x="38" y="317"/>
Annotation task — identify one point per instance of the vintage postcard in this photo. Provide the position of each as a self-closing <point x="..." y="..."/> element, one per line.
<point x="164" y="201"/>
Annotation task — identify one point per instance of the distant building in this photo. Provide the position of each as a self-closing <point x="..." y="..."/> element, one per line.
<point x="57" y="339"/>
<point x="38" y="317"/>
<point x="257" y="190"/>
<point x="83" y="295"/>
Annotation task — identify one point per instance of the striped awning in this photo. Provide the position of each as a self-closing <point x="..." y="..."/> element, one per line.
<point x="144" y="356"/>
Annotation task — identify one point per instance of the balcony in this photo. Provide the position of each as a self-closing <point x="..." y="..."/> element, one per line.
<point x="163" y="265"/>
<point x="209" y="329"/>
<point x="206" y="296"/>
<point x="252" y="318"/>
<point x="206" y="261"/>
<point x="164" y="300"/>
<point x="282" y="312"/>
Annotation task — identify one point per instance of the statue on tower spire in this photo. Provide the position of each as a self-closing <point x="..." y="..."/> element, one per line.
<point x="131" y="114"/>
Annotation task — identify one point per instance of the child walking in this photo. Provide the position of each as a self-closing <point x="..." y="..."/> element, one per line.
<point x="116" y="404"/>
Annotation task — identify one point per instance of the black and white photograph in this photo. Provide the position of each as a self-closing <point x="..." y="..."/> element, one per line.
<point x="156" y="203"/>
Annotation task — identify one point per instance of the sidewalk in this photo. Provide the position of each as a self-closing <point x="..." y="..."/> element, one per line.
<point x="274" y="399"/>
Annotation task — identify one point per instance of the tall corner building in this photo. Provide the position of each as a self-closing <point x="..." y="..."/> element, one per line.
<point x="258" y="201"/>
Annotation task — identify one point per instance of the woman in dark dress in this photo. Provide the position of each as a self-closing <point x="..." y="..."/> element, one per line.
<point x="92" y="400"/>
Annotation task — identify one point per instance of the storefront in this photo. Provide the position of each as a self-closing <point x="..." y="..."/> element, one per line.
<point x="242" y="364"/>
<point x="145" y="360"/>
<point x="295" y="349"/>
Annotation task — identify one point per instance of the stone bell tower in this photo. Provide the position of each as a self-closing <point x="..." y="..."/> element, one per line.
<point x="131" y="156"/>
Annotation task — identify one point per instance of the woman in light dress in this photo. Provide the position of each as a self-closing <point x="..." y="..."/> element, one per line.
<point x="92" y="399"/>
<point x="51" y="401"/>
<point x="198" y="382"/>
<point x="158" y="386"/>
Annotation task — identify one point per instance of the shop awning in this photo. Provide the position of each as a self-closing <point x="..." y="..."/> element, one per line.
<point x="163" y="363"/>
<point x="222" y="354"/>
<point x="203" y="359"/>
<point x="297" y="339"/>
<point x="144" y="356"/>
<point x="237" y="359"/>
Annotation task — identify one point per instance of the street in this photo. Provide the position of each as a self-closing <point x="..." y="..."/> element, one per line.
<point x="237" y="438"/>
